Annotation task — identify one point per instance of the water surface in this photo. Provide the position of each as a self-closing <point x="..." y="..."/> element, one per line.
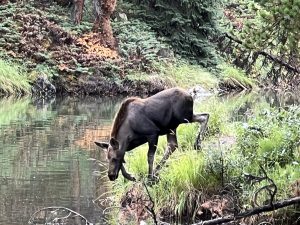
<point x="47" y="155"/>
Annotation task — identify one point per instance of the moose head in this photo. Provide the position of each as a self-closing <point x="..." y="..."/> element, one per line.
<point x="115" y="157"/>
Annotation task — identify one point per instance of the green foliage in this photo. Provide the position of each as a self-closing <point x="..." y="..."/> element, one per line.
<point x="220" y="114"/>
<point x="186" y="173"/>
<point x="13" y="79"/>
<point x="276" y="26"/>
<point x="237" y="76"/>
<point x="265" y="39"/>
<point x="271" y="137"/>
<point x="138" y="43"/>
<point x="186" y="74"/>
<point x="176" y="73"/>
<point x="186" y="25"/>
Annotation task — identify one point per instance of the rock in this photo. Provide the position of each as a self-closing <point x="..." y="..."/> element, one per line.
<point x="123" y="17"/>
<point x="199" y="93"/>
<point x="43" y="87"/>
<point x="165" y="53"/>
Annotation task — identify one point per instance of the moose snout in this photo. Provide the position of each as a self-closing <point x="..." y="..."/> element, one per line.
<point x="112" y="176"/>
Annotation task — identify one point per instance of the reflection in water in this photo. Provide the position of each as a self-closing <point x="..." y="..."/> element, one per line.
<point x="242" y="104"/>
<point x="282" y="99"/>
<point x="44" y="159"/>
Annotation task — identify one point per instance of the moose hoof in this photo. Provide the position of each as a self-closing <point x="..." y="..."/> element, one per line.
<point x="129" y="177"/>
<point x="152" y="180"/>
<point x="197" y="146"/>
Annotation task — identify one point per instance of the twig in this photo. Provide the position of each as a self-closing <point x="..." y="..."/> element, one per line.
<point x="151" y="210"/>
<point x="279" y="61"/>
<point x="272" y="184"/>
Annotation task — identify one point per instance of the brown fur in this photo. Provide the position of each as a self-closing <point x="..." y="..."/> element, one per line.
<point x="120" y="116"/>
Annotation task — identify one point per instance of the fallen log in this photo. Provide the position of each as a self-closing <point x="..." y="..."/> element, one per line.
<point x="254" y="211"/>
<point x="251" y="212"/>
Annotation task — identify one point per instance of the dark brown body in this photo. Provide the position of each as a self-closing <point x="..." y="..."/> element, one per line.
<point x="144" y="120"/>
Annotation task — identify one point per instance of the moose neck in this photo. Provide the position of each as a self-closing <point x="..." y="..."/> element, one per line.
<point x="123" y="138"/>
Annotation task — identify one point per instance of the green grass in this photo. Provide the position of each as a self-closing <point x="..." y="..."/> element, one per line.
<point x="186" y="174"/>
<point x="13" y="80"/>
<point x="177" y="74"/>
<point x="184" y="75"/>
<point x="235" y="77"/>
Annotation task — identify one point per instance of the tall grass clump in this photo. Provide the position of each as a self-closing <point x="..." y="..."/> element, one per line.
<point x="235" y="78"/>
<point x="185" y="180"/>
<point x="13" y="79"/>
<point x="192" y="178"/>
<point x="185" y="74"/>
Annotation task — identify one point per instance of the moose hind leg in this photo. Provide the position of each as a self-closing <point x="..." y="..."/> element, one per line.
<point x="203" y="120"/>
<point x="171" y="147"/>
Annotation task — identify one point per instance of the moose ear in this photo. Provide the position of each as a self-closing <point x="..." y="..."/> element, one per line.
<point x="102" y="144"/>
<point x="114" y="143"/>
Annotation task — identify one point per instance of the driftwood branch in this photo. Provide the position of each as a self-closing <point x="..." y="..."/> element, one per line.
<point x="56" y="209"/>
<point x="254" y="211"/>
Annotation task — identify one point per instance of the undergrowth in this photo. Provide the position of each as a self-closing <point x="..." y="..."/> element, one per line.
<point x="234" y="78"/>
<point x="13" y="79"/>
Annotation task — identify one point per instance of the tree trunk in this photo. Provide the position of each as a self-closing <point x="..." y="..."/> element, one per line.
<point x="97" y="12"/>
<point x="78" y="11"/>
<point x="2" y="2"/>
<point x="103" y="11"/>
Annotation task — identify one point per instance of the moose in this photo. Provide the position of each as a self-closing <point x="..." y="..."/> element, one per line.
<point x="141" y="121"/>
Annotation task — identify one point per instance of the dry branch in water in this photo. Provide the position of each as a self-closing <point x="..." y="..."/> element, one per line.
<point x="56" y="217"/>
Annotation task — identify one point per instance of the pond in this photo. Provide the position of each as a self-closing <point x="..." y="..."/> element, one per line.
<point x="48" y="158"/>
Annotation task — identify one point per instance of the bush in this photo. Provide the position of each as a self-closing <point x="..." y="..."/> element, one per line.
<point x="185" y="25"/>
<point x="13" y="79"/>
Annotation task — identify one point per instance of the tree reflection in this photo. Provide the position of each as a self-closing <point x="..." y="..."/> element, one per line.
<point x="43" y="157"/>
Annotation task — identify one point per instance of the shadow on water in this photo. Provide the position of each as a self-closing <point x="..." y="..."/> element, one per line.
<point x="47" y="155"/>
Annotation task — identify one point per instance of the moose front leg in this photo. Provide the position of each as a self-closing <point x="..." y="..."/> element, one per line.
<point x="172" y="145"/>
<point x="203" y="120"/>
<point x="152" y="142"/>
<point x="126" y="175"/>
